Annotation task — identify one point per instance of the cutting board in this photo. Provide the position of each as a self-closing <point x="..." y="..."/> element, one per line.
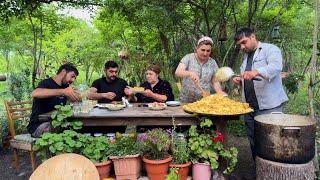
<point x="66" y="167"/>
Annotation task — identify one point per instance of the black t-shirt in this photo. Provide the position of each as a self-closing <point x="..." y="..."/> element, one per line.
<point x="249" y="92"/>
<point x="44" y="105"/>
<point x="117" y="86"/>
<point x="162" y="87"/>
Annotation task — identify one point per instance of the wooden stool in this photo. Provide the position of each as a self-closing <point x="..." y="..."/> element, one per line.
<point x="66" y="167"/>
<point x="266" y="170"/>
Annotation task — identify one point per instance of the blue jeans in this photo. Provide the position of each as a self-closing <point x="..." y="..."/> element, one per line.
<point x="249" y="120"/>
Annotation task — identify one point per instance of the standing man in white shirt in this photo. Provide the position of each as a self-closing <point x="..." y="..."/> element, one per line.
<point x="264" y="61"/>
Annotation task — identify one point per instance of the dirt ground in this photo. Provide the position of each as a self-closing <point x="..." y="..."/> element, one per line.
<point x="244" y="170"/>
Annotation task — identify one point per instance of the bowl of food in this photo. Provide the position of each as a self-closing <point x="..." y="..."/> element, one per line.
<point x="157" y="106"/>
<point x="137" y="89"/>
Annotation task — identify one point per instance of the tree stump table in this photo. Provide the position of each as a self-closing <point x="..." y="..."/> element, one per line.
<point x="266" y="170"/>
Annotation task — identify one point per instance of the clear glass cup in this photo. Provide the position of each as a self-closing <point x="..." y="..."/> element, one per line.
<point x="85" y="106"/>
<point x="76" y="108"/>
<point x="82" y="89"/>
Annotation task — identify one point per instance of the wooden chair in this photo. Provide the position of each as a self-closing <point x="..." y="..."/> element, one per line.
<point x="19" y="111"/>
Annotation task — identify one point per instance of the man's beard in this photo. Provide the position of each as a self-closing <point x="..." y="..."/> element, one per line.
<point x="64" y="81"/>
<point x="112" y="78"/>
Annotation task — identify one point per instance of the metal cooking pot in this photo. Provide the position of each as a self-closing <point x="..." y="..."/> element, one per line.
<point x="285" y="138"/>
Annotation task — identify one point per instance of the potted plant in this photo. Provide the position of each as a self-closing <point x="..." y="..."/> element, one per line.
<point x="180" y="154"/>
<point x="125" y="155"/>
<point x="97" y="150"/>
<point x="207" y="149"/>
<point x="156" y="144"/>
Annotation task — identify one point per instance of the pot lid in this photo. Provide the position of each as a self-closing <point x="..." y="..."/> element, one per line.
<point x="285" y="120"/>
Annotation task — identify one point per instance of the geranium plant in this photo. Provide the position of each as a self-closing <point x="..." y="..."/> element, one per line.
<point x="156" y="143"/>
<point x="97" y="149"/>
<point x="125" y="145"/>
<point x="61" y="118"/>
<point x="207" y="147"/>
<point x="51" y="144"/>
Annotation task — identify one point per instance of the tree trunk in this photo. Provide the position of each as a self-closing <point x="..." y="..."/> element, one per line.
<point x="313" y="71"/>
<point x="266" y="170"/>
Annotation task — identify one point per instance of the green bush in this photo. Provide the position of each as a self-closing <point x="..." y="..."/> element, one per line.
<point x="19" y="85"/>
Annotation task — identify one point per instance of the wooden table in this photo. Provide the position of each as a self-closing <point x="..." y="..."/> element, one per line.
<point x="144" y="116"/>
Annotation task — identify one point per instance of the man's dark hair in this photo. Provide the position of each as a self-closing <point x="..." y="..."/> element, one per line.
<point x="110" y="64"/>
<point x="243" y="32"/>
<point x="68" y="67"/>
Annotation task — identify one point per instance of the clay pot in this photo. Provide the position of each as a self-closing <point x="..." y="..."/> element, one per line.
<point x="157" y="169"/>
<point x="127" y="167"/>
<point x="103" y="168"/>
<point x="183" y="170"/>
<point x="201" y="171"/>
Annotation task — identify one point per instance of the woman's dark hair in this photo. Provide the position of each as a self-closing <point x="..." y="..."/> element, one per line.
<point x="110" y="64"/>
<point x="68" y="67"/>
<point x="155" y="68"/>
<point x="243" y="32"/>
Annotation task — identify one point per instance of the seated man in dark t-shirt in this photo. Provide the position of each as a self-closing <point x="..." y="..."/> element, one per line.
<point x="50" y="92"/>
<point x="109" y="88"/>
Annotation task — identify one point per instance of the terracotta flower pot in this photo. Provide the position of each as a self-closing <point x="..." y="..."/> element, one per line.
<point x="201" y="171"/>
<point x="183" y="170"/>
<point x="103" y="168"/>
<point x="127" y="167"/>
<point x="157" y="169"/>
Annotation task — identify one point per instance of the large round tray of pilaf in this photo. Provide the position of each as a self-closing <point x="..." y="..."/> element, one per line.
<point x="217" y="105"/>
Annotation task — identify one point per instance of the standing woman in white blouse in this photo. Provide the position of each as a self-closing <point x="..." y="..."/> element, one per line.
<point x="198" y="67"/>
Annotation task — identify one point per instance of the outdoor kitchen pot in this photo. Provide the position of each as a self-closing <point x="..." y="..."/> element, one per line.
<point x="285" y="138"/>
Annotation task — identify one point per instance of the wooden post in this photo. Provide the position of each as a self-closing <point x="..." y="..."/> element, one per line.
<point x="269" y="170"/>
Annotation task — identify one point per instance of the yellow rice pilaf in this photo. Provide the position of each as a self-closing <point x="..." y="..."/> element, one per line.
<point x="217" y="104"/>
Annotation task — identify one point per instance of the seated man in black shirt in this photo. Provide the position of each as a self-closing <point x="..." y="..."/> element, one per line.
<point x="50" y="92"/>
<point x="109" y="88"/>
<point x="156" y="89"/>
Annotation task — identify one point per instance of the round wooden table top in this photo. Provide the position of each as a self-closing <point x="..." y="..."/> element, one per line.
<point x="66" y="167"/>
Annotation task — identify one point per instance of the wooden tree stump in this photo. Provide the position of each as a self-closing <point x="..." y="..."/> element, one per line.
<point x="266" y="169"/>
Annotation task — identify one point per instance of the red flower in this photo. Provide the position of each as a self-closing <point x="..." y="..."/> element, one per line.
<point x="218" y="137"/>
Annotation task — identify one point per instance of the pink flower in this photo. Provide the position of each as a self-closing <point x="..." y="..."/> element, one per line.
<point x="142" y="137"/>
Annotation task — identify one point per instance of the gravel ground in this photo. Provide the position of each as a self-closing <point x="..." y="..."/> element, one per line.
<point x="244" y="170"/>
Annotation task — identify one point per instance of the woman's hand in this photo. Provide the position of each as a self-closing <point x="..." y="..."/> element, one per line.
<point x="194" y="76"/>
<point x="236" y="80"/>
<point x="147" y="93"/>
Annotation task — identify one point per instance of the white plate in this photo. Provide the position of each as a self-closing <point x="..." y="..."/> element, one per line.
<point x="173" y="103"/>
<point x="157" y="106"/>
<point x="111" y="107"/>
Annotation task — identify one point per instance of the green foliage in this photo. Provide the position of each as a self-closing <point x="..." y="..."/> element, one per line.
<point x="292" y="81"/>
<point x="180" y="151"/>
<point x="156" y="143"/>
<point x="51" y="144"/>
<point x="204" y="148"/>
<point x="61" y="118"/>
<point x="298" y="102"/>
<point x="172" y="174"/>
<point x="97" y="149"/>
<point x="19" y="84"/>
<point x="237" y="127"/>
<point x="125" y="145"/>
